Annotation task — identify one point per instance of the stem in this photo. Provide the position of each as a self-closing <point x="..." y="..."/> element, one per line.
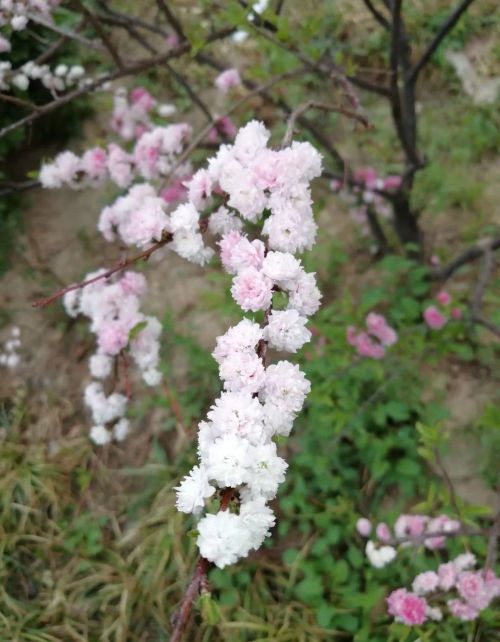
<point x="122" y="265"/>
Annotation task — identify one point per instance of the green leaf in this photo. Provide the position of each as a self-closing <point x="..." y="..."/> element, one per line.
<point x="138" y="327"/>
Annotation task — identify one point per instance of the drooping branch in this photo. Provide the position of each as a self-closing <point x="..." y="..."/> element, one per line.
<point x="443" y="31"/>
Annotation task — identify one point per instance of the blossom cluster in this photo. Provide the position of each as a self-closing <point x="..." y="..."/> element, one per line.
<point x="132" y="112"/>
<point x="413" y="530"/>
<point x="364" y="194"/>
<point x="9" y="356"/>
<point x="59" y="79"/>
<point x="235" y="445"/>
<point x="465" y="592"/>
<point x="154" y="155"/>
<point x="17" y="13"/>
<point x="113" y="308"/>
<point x="434" y="316"/>
<point x="378" y="336"/>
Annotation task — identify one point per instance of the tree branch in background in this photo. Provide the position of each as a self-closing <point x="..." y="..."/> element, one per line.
<point x="445" y="28"/>
<point x="137" y="67"/>
<point x="171" y="19"/>
<point x="101" y="32"/>
<point x="379" y="17"/>
<point x="473" y="253"/>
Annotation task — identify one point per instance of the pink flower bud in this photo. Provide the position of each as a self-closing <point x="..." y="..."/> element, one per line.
<point x="364" y="526"/>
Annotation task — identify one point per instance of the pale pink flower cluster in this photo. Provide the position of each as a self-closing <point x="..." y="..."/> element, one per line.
<point x="434" y="316"/>
<point x="235" y="445"/>
<point x="113" y="308"/>
<point x="372" y="342"/>
<point x="154" y="155"/>
<point x="382" y="552"/>
<point x="138" y="218"/>
<point x="474" y="592"/>
<point x="364" y="194"/>
<point x="228" y="79"/>
<point x="256" y="179"/>
<point x="9" y="356"/>
<point x="132" y="112"/>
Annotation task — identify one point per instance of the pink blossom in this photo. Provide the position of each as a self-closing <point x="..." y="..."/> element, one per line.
<point x="383" y="532"/>
<point x="366" y="175"/>
<point x="379" y="328"/>
<point x="142" y="98"/>
<point x="392" y="182"/>
<point x="410" y="525"/>
<point x="443" y="297"/>
<point x="441" y="523"/>
<point x="363" y="526"/>
<point x="94" y="163"/>
<point x="461" y="610"/>
<point x="174" y="192"/>
<point x="447" y="575"/>
<point x="172" y="40"/>
<point x="368" y="348"/>
<point x="252" y="290"/>
<point x="456" y="313"/>
<point x="425" y="583"/>
<point x="112" y="337"/>
<point x="434" y="319"/>
<point x="238" y="253"/>
<point x="471" y="587"/>
<point x="119" y="165"/>
<point x="435" y="260"/>
<point x="408" y="608"/>
<point x="228" y="79"/>
<point x="351" y="335"/>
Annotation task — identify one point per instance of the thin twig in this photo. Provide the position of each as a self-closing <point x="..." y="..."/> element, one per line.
<point x="449" y="483"/>
<point x="313" y="104"/>
<point x="25" y="104"/>
<point x="122" y="265"/>
<point x="445" y="28"/>
<point x="379" y="17"/>
<point x="66" y="33"/>
<point x="171" y="18"/>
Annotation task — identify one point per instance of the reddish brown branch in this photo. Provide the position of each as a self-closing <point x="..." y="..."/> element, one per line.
<point x="122" y="265"/>
<point x="199" y="580"/>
